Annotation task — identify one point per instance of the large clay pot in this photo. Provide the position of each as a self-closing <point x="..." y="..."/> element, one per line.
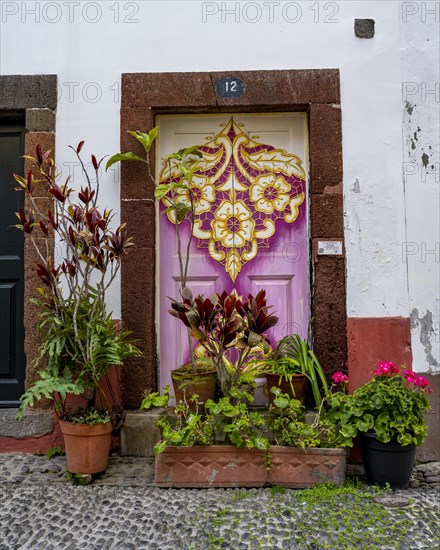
<point x="299" y="382"/>
<point x="187" y="383"/>
<point x="387" y="462"/>
<point x="87" y="446"/>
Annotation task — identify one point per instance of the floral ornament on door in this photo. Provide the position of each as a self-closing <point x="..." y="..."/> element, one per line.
<point x="240" y="188"/>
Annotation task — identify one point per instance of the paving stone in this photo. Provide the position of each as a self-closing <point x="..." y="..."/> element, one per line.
<point x="123" y="510"/>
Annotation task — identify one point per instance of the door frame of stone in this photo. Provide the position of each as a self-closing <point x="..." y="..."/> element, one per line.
<point x="315" y="91"/>
<point x="33" y="98"/>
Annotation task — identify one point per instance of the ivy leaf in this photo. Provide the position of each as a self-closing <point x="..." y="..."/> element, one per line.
<point x="281" y="402"/>
<point x="261" y="443"/>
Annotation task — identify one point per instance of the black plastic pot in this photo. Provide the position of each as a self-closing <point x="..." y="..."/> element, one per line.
<point x="387" y="462"/>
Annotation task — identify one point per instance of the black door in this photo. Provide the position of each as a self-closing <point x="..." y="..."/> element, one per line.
<point x="12" y="358"/>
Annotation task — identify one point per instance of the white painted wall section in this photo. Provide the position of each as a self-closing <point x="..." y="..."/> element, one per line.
<point x="89" y="45"/>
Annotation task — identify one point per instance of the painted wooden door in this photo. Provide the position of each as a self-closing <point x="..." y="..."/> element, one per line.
<point x="12" y="360"/>
<point x="252" y="224"/>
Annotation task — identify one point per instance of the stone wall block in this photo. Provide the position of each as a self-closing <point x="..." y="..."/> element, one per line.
<point x="325" y="147"/>
<point x="327" y="216"/>
<point x="19" y="92"/>
<point x="329" y="313"/>
<point x="40" y="120"/>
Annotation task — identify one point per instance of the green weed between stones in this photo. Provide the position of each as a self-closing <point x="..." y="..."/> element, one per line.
<point x="79" y="479"/>
<point x="324" y="517"/>
<point x="55" y="451"/>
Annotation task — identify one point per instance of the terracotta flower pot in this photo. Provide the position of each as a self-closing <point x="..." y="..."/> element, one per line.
<point x="294" y="467"/>
<point x="299" y="382"/>
<point x="187" y="383"/>
<point x="210" y="466"/>
<point x="87" y="446"/>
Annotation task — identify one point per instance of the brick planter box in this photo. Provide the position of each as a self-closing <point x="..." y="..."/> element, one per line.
<point x="210" y="466"/>
<point x="297" y="468"/>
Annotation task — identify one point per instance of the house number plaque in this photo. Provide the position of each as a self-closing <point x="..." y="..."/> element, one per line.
<point x="230" y="87"/>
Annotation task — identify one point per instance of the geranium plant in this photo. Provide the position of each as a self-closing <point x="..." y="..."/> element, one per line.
<point x="79" y="340"/>
<point x="392" y="404"/>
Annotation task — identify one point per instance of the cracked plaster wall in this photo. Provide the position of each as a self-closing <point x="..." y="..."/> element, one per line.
<point x="421" y="177"/>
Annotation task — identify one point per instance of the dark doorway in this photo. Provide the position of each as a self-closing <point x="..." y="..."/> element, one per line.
<point x="12" y="357"/>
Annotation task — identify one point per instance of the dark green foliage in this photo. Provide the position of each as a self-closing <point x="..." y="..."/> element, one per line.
<point x="385" y="404"/>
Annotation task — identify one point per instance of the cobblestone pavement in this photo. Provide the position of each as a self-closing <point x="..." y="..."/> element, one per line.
<point x="41" y="509"/>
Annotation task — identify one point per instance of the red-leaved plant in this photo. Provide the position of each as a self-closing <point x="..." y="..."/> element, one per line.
<point x="223" y="323"/>
<point x="79" y="342"/>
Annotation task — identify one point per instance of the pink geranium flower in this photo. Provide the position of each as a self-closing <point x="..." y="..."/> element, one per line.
<point x="340" y="377"/>
<point x="421" y="382"/>
<point x="409" y="376"/>
<point x="412" y="378"/>
<point x="385" y="368"/>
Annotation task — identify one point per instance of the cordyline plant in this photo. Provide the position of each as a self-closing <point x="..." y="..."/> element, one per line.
<point x="181" y="167"/>
<point x="223" y="323"/>
<point x="80" y="342"/>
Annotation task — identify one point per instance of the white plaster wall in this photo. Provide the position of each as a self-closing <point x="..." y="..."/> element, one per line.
<point x="89" y="58"/>
<point x="421" y="175"/>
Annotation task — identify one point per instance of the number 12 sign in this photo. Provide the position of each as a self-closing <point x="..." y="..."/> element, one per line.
<point x="230" y="87"/>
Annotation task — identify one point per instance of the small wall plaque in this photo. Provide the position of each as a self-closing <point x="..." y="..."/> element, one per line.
<point x="330" y="248"/>
<point x="230" y="87"/>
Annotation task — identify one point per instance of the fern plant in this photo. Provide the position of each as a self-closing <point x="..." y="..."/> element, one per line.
<point x="79" y="341"/>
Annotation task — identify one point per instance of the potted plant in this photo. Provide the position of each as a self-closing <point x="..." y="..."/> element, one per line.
<point x="291" y="364"/>
<point x="303" y="454"/>
<point x="79" y="340"/>
<point x="224" y="446"/>
<point x="231" y="446"/>
<point x="229" y="329"/>
<point x="176" y="194"/>
<point x="388" y="414"/>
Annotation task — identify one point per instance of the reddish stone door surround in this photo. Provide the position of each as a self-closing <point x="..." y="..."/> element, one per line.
<point x="145" y="95"/>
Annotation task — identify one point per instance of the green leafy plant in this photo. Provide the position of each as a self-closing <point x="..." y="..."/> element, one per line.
<point x="292" y="355"/>
<point x="181" y="167"/>
<point x="90" y="417"/>
<point x="289" y="428"/>
<point x="155" y="400"/>
<point x="392" y="404"/>
<point x="79" y="341"/>
<point x="229" y="417"/>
